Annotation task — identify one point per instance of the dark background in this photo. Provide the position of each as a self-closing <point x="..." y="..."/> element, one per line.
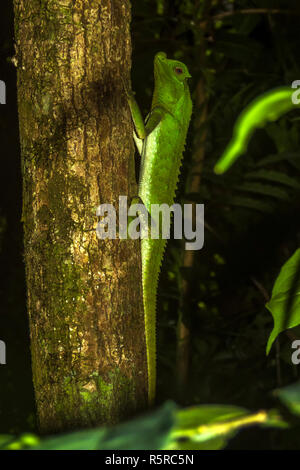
<point x="250" y="234"/>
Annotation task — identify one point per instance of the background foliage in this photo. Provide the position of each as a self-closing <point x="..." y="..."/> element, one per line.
<point x="251" y="213"/>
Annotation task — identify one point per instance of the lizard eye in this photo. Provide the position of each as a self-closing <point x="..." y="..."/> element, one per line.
<point x="178" y="70"/>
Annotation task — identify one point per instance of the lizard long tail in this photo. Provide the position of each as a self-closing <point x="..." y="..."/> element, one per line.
<point x="152" y="254"/>
<point x="150" y="329"/>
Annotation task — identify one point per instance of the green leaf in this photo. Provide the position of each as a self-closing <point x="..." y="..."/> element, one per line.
<point x="188" y="444"/>
<point x="286" y="290"/>
<point x="83" y="440"/>
<point x="209" y="427"/>
<point x="290" y="397"/>
<point x="202" y="427"/>
<point x="201" y="415"/>
<point x="5" y="440"/>
<point x="148" y="432"/>
<point x="25" y="441"/>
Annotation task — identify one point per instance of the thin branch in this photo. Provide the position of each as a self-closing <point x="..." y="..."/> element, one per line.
<point x="255" y="11"/>
<point x="261" y="289"/>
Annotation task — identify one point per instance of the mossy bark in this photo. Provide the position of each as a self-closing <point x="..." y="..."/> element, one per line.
<point x="84" y="295"/>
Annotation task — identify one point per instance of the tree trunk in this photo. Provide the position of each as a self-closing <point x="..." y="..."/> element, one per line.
<point x="84" y="294"/>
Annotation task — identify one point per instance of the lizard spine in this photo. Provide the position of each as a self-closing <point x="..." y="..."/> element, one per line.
<point x="161" y="145"/>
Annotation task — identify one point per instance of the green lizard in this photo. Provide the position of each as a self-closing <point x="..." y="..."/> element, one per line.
<point x="160" y="142"/>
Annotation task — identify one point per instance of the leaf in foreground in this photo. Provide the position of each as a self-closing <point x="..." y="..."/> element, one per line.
<point x="290" y="397"/>
<point x="284" y="304"/>
<point x="147" y="432"/>
<point x="210" y="427"/>
<point x="206" y="427"/>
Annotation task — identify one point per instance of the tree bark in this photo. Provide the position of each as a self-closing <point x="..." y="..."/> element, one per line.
<point x="84" y="294"/>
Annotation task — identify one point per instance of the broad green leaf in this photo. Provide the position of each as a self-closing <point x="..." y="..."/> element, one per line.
<point x="25" y="441"/>
<point x="189" y="444"/>
<point x="188" y="418"/>
<point x="148" y="432"/>
<point x="83" y="440"/>
<point x="290" y="397"/>
<point x="286" y="290"/>
<point x="196" y="428"/>
<point x="5" y="440"/>
<point x="209" y="427"/>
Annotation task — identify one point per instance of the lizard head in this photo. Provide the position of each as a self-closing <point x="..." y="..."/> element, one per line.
<point x="169" y="70"/>
<point x="170" y="83"/>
